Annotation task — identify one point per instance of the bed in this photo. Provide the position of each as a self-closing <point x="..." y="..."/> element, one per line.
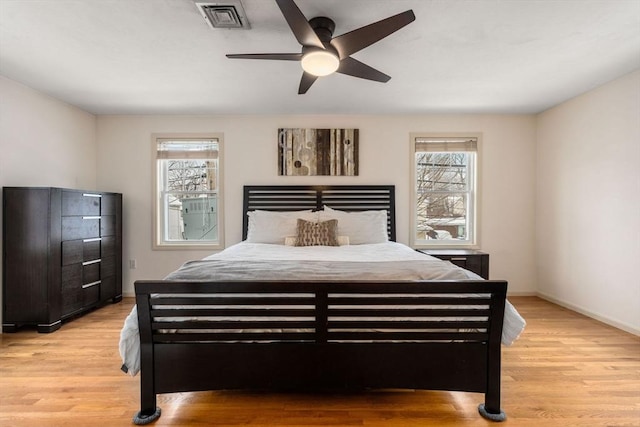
<point x="371" y="314"/>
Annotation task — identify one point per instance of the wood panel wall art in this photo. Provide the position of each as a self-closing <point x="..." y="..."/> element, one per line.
<point x="317" y="152"/>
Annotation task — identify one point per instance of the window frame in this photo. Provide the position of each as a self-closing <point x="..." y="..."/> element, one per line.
<point x="474" y="193"/>
<point x="158" y="225"/>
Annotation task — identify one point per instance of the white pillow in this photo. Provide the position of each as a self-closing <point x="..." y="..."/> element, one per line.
<point x="291" y="240"/>
<point x="343" y="240"/>
<point x="361" y="227"/>
<point x="274" y="227"/>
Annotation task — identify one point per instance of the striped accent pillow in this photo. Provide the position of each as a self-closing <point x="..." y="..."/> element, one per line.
<point x="324" y="233"/>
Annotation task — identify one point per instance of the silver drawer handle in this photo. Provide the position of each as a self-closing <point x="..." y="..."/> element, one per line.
<point x="93" y="261"/>
<point x="91" y="195"/>
<point x="88" y="285"/>
<point x="461" y="258"/>
<point x="91" y="217"/>
<point x="95" y="239"/>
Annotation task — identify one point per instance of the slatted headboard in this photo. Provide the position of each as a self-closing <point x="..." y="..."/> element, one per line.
<point x="350" y="198"/>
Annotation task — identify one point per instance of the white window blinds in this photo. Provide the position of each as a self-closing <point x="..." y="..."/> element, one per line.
<point x="443" y="145"/>
<point x="187" y="149"/>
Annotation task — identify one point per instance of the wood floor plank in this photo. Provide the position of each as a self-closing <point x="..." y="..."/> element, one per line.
<point x="565" y="370"/>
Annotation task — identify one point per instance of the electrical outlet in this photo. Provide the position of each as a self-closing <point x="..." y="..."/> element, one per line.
<point x="133" y="264"/>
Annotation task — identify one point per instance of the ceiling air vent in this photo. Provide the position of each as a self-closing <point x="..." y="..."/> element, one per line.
<point x="228" y="14"/>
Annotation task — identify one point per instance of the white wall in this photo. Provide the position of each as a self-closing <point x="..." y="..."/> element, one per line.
<point x="588" y="203"/>
<point x="559" y="214"/>
<point x="250" y="157"/>
<point x="44" y="142"/>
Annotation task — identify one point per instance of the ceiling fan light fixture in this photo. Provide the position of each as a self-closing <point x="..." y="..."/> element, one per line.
<point x="320" y="63"/>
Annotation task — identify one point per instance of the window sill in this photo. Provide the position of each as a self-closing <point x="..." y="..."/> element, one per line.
<point x="188" y="247"/>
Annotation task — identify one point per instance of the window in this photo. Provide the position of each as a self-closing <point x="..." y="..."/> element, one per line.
<point x="444" y="190"/>
<point x="187" y="192"/>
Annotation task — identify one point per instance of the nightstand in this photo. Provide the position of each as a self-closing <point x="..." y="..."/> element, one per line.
<point x="471" y="259"/>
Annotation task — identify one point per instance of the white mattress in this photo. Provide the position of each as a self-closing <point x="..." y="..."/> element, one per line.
<point x="390" y="252"/>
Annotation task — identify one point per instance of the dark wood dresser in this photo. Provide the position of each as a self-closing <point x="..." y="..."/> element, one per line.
<point x="62" y="254"/>
<point x="471" y="259"/>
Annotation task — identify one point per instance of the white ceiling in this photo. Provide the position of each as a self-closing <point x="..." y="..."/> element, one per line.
<point x="458" y="56"/>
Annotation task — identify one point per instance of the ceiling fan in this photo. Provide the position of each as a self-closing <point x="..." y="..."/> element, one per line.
<point x="322" y="54"/>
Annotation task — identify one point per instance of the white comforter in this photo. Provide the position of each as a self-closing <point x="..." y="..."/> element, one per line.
<point x="430" y="268"/>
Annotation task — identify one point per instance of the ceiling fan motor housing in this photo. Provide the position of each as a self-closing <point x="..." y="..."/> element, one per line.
<point x="323" y="27"/>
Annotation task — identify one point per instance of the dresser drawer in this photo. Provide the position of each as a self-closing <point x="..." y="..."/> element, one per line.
<point x="108" y="288"/>
<point x="91" y="249"/>
<point x="80" y="286"/>
<point x="91" y="293"/>
<point x="77" y="251"/>
<point x="91" y="272"/>
<point x="460" y="261"/>
<point x="72" y="252"/>
<point x="78" y="203"/>
<point x="71" y="288"/>
<point x="108" y="246"/>
<point x="80" y="227"/>
<point x="108" y="267"/>
<point x="108" y="225"/>
<point x="108" y="204"/>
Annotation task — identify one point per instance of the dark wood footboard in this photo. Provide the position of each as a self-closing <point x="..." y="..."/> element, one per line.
<point x="320" y="335"/>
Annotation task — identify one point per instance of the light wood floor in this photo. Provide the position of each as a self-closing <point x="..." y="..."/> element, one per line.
<point x="565" y="370"/>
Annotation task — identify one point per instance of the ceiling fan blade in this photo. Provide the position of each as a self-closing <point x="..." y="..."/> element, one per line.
<point x="277" y="56"/>
<point x="353" y="41"/>
<point x="306" y="82"/>
<point x="355" y="68"/>
<point x="299" y="24"/>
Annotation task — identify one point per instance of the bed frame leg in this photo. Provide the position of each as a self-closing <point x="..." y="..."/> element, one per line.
<point x="490" y="409"/>
<point x="490" y="415"/>
<point x="149" y="412"/>
<point x="146" y="417"/>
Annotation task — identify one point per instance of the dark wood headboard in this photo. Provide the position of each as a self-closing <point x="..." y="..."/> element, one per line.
<point x="350" y="198"/>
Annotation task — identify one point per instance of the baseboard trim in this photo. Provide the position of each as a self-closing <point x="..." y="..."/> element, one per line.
<point x="619" y="325"/>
